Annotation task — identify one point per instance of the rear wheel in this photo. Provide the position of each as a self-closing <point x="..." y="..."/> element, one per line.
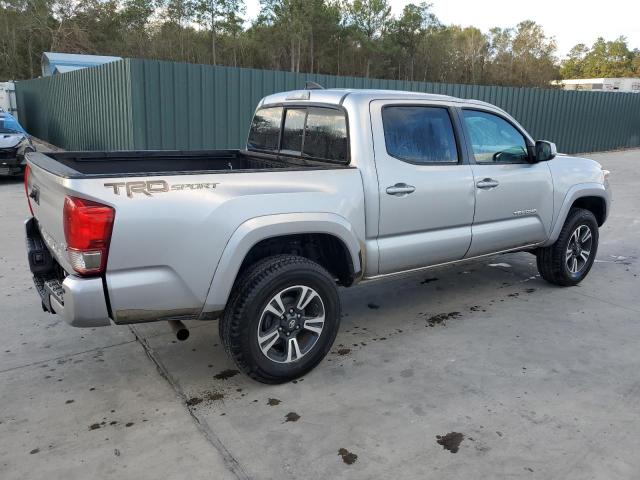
<point x="568" y="261"/>
<point x="282" y="318"/>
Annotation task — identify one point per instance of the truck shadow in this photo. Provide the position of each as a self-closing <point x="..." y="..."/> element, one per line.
<point x="4" y="180"/>
<point x="373" y="312"/>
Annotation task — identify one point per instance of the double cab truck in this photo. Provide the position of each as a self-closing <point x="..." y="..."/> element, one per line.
<point x="334" y="187"/>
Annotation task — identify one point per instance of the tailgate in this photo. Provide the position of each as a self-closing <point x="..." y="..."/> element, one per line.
<point x="46" y="193"/>
<point x="80" y="300"/>
<point x="48" y="184"/>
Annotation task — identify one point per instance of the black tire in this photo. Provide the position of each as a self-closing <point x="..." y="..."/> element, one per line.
<point x="242" y="318"/>
<point x="552" y="260"/>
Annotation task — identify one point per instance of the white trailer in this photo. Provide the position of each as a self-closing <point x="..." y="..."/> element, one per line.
<point x="8" y="98"/>
<point x="602" y="84"/>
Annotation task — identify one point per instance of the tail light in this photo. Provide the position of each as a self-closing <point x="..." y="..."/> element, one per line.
<point x="26" y="187"/>
<point x="87" y="231"/>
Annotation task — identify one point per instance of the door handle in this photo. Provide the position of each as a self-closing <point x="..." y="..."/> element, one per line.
<point x="487" y="183"/>
<point x="401" y="189"/>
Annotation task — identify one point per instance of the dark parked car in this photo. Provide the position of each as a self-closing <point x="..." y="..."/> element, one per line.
<point x="14" y="144"/>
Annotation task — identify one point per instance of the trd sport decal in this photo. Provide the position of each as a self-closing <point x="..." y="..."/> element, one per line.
<point x="528" y="211"/>
<point x="150" y="187"/>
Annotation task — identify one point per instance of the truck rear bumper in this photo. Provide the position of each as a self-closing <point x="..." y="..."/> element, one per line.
<point x="80" y="301"/>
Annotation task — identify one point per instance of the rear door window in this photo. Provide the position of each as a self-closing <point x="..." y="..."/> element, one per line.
<point x="420" y="135"/>
<point x="265" y="129"/>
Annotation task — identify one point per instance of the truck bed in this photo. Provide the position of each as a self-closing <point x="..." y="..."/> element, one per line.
<point x="162" y="162"/>
<point x="170" y="232"/>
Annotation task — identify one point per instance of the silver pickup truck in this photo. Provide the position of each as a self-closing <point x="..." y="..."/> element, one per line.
<point x="334" y="187"/>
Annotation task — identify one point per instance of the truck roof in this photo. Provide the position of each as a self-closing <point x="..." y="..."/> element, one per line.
<point x="337" y="95"/>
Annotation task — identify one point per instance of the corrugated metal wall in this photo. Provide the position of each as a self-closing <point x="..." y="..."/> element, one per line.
<point x="148" y="104"/>
<point x="87" y="109"/>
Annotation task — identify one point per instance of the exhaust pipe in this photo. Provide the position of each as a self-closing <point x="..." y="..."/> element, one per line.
<point x="179" y="330"/>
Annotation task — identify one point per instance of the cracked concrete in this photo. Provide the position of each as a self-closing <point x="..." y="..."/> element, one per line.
<point x="540" y="381"/>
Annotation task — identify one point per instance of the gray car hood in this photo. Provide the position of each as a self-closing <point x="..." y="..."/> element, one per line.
<point x="9" y="140"/>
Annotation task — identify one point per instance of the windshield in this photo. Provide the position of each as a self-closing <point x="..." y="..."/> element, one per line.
<point x="8" y="124"/>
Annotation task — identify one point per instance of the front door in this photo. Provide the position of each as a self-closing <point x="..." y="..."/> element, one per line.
<point x="514" y="198"/>
<point x="426" y="190"/>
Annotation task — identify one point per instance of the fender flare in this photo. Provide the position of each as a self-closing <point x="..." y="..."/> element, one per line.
<point x="574" y="193"/>
<point x="261" y="228"/>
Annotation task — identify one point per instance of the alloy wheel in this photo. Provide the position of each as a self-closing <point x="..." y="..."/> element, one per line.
<point x="291" y="324"/>
<point x="579" y="249"/>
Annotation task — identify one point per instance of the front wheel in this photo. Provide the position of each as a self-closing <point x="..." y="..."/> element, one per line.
<point x="282" y="318"/>
<point x="568" y="261"/>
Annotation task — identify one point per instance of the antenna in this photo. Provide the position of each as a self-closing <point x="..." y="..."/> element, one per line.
<point x="309" y="85"/>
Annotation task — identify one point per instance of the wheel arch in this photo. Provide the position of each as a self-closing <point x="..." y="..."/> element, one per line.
<point x="596" y="205"/>
<point x="592" y="196"/>
<point x="263" y="236"/>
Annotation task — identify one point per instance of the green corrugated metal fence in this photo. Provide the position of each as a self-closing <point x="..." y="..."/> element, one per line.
<point x="148" y="104"/>
<point x="88" y="109"/>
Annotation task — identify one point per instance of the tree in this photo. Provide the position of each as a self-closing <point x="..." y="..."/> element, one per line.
<point x="370" y="19"/>
<point x="289" y="16"/>
<point x="609" y="59"/>
<point x="27" y="27"/>
<point x="573" y="65"/>
<point x="604" y="59"/>
<point x="134" y="25"/>
<point x="344" y="37"/>
<point x="472" y="48"/>
<point x="298" y="31"/>
<point x="179" y="13"/>
<point x="533" y="52"/>
<point x="523" y="56"/>
<point x="406" y="34"/>
<point x="635" y="64"/>
<point x="217" y="16"/>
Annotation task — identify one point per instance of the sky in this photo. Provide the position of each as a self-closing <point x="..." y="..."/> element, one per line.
<point x="569" y="21"/>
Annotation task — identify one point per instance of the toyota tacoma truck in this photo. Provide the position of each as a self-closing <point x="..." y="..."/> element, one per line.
<point x="334" y="187"/>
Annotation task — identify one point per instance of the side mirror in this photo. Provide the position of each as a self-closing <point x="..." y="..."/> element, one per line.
<point x="545" y="151"/>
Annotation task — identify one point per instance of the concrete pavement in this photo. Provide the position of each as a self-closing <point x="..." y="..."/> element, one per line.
<point x="540" y="381"/>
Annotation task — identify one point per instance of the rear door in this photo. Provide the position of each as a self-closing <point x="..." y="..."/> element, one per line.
<point x="514" y="198"/>
<point x="426" y="190"/>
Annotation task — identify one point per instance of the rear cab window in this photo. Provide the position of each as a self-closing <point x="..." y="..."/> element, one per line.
<point x="308" y="132"/>
<point x="326" y="135"/>
<point x="264" y="134"/>
<point x="293" y="132"/>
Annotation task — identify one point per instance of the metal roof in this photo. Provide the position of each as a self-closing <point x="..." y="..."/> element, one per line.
<point x="338" y="96"/>
<point x="66" y="68"/>
<point x="54" y="62"/>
